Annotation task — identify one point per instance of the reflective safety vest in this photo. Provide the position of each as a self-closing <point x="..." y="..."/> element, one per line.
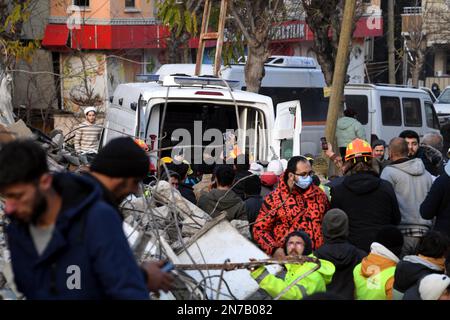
<point x="315" y="282"/>
<point x="373" y="287"/>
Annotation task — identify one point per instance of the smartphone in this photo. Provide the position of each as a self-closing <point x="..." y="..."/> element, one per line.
<point x="323" y="140"/>
<point x="167" y="267"/>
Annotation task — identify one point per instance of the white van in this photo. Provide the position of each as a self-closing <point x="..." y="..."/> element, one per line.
<point x="286" y="79"/>
<point x="192" y="106"/>
<point x="387" y="110"/>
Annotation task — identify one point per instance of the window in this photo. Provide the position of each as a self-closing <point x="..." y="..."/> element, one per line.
<point x="359" y="103"/>
<point x="391" y="114"/>
<point x="445" y="96"/>
<point x="129" y="4"/>
<point x="81" y="3"/>
<point x="314" y="104"/>
<point x="432" y="120"/>
<point x="412" y="112"/>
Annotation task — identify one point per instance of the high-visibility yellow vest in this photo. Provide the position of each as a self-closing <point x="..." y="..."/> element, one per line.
<point x="374" y="287"/>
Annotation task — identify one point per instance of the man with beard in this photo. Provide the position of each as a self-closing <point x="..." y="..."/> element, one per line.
<point x="297" y="244"/>
<point x="65" y="241"/>
<point x="118" y="168"/>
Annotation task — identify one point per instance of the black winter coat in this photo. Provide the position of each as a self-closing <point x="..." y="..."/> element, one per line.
<point x="410" y="270"/>
<point x="345" y="257"/>
<point x="437" y="204"/>
<point x="187" y="192"/>
<point x="370" y="204"/>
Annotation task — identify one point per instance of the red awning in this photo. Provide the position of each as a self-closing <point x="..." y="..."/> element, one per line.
<point x="56" y="35"/>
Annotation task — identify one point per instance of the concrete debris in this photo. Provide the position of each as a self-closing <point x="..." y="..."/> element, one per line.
<point x="192" y="236"/>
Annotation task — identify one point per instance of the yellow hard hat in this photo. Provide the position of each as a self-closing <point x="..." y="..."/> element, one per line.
<point x="167" y="160"/>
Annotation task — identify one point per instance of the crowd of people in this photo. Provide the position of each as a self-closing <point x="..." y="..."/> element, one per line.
<point x="379" y="229"/>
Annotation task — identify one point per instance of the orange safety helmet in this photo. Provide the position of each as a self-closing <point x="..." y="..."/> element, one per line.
<point x="358" y="148"/>
<point x="142" y="144"/>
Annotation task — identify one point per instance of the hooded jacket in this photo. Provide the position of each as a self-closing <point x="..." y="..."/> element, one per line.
<point x="411" y="184"/>
<point x="348" y="129"/>
<point x="370" y="204"/>
<point x="231" y="203"/>
<point x="344" y="256"/>
<point x="409" y="272"/>
<point x="379" y="259"/>
<point x="283" y="212"/>
<point x="437" y="204"/>
<point x="88" y="256"/>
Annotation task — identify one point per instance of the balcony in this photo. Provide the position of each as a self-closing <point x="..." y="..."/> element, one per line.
<point x="411" y="20"/>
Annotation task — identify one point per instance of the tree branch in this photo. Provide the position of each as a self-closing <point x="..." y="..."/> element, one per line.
<point x="240" y="23"/>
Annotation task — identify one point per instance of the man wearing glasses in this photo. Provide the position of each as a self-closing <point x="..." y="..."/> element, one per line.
<point x="296" y="204"/>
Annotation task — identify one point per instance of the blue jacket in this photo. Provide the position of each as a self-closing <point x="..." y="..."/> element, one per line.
<point x="88" y="256"/>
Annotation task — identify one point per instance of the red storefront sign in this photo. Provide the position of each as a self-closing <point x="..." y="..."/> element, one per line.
<point x="153" y="36"/>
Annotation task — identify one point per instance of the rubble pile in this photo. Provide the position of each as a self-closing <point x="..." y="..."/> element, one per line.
<point x="163" y="225"/>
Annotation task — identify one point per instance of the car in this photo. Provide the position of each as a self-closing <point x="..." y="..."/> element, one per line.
<point x="442" y="106"/>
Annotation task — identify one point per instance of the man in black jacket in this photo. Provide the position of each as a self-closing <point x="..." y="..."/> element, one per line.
<point x="437" y="203"/>
<point x="340" y="252"/>
<point x="430" y="259"/>
<point x="370" y="202"/>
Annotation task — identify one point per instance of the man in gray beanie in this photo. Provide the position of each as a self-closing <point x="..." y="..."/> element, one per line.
<point x="340" y="252"/>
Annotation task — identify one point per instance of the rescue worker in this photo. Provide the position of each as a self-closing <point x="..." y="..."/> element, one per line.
<point x="296" y="204"/>
<point x="370" y="202"/>
<point x="374" y="276"/>
<point x="297" y="244"/>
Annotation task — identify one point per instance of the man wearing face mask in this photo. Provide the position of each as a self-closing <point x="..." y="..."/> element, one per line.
<point x="65" y="241"/>
<point x="296" y="204"/>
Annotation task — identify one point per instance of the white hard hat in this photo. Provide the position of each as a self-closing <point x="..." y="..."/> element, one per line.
<point x="89" y="109"/>
<point x="275" y="166"/>
<point x="256" y="168"/>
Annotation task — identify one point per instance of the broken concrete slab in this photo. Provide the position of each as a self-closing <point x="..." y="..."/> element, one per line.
<point x="216" y="242"/>
<point x="20" y="130"/>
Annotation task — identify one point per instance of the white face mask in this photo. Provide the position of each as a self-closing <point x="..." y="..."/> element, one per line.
<point x="304" y="182"/>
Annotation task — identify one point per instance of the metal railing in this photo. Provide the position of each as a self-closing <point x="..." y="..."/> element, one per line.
<point x="412" y="10"/>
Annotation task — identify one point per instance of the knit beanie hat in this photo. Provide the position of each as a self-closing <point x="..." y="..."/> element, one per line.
<point x="433" y="286"/>
<point x="335" y="225"/>
<point x="391" y="238"/>
<point x="121" y="158"/>
<point x="308" y="244"/>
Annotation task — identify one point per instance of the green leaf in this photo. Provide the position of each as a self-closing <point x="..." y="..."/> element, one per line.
<point x="188" y="21"/>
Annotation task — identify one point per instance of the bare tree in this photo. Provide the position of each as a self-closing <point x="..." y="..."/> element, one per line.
<point x="423" y="28"/>
<point x="255" y="19"/>
<point x="325" y="19"/>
